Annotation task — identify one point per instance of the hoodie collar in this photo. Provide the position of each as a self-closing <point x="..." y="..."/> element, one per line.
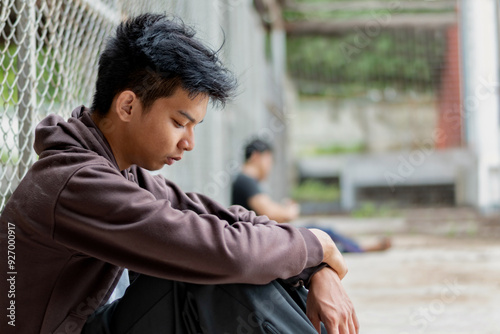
<point x="83" y="114"/>
<point x="54" y="135"/>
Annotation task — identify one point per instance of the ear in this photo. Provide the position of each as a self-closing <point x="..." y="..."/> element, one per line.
<point x="126" y="103"/>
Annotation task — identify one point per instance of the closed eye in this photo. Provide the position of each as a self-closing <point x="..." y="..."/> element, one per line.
<point x="178" y="125"/>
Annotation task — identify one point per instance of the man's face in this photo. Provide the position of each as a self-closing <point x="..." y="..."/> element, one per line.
<point x="265" y="164"/>
<point x="161" y="135"/>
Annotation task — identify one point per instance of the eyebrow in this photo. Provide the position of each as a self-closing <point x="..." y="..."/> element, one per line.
<point x="191" y="119"/>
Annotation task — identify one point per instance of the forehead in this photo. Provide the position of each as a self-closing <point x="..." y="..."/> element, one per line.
<point x="264" y="154"/>
<point x="268" y="154"/>
<point x="182" y="103"/>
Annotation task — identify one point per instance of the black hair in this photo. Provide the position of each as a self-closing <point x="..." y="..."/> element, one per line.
<point x="153" y="55"/>
<point x="257" y="145"/>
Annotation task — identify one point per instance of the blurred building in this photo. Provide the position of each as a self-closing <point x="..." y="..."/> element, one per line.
<point x="398" y="100"/>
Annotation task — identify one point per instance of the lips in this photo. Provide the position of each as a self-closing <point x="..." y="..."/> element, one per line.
<point x="170" y="160"/>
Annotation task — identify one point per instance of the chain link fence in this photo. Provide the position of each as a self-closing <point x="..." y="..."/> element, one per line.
<point x="48" y="60"/>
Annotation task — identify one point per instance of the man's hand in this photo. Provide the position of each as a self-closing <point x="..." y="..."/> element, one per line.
<point x="328" y="302"/>
<point x="293" y="209"/>
<point x="331" y="254"/>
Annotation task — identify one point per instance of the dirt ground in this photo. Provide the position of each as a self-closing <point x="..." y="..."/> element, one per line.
<point x="442" y="274"/>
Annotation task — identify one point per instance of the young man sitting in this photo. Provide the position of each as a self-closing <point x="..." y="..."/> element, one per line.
<point x="88" y="210"/>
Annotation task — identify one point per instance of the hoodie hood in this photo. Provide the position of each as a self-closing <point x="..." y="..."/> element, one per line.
<point x="54" y="135"/>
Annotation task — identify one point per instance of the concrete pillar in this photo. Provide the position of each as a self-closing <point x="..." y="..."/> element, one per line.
<point x="481" y="95"/>
<point x="281" y="177"/>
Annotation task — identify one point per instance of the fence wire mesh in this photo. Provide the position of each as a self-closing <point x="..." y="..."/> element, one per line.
<point x="48" y="57"/>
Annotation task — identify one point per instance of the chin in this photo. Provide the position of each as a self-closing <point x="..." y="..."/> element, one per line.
<point x="155" y="169"/>
<point x="152" y="167"/>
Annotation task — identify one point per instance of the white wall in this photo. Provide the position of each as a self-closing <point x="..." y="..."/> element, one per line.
<point x="380" y="126"/>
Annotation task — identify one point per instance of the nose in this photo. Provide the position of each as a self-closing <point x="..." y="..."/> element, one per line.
<point x="187" y="142"/>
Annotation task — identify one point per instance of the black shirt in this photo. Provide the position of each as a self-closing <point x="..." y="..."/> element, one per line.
<point x="244" y="188"/>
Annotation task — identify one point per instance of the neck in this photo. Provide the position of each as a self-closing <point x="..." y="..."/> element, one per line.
<point x="251" y="170"/>
<point x="109" y="129"/>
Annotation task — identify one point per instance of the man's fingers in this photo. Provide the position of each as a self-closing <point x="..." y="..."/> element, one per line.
<point x="331" y="254"/>
<point x="344" y="327"/>
<point x="331" y="328"/>
<point x="346" y="323"/>
<point x="356" y="322"/>
<point x="352" y="327"/>
<point x="329" y="302"/>
<point x="337" y="262"/>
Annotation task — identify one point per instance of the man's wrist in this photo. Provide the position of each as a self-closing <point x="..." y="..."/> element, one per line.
<point x="324" y="272"/>
<point x="316" y="270"/>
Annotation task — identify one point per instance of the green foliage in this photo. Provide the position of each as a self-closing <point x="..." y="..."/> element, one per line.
<point x="334" y="149"/>
<point x="4" y="199"/>
<point x="352" y="63"/>
<point x="321" y="15"/>
<point x="315" y="191"/>
<point x="7" y="75"/>
<point x="349" y="64"/>
<point x="366" y="210"/>
<point x="47" y="69"/>
<point x="325" y="14"/>
<point x="6" y="158"/>
<point x="370" y="210"/>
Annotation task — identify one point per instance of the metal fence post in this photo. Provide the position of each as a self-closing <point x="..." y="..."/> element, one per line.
<point x="26" y="85"/>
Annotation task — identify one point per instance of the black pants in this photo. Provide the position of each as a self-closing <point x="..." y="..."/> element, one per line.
<point x="153" y="306"/>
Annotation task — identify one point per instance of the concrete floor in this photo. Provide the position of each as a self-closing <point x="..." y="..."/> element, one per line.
<point x="442" y="274"/>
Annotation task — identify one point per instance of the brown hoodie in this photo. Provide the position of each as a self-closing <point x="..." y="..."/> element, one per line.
<point x="76" y="221"/>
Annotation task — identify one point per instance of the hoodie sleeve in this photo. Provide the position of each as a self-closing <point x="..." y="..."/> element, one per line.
<point x="178" y="236"/>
